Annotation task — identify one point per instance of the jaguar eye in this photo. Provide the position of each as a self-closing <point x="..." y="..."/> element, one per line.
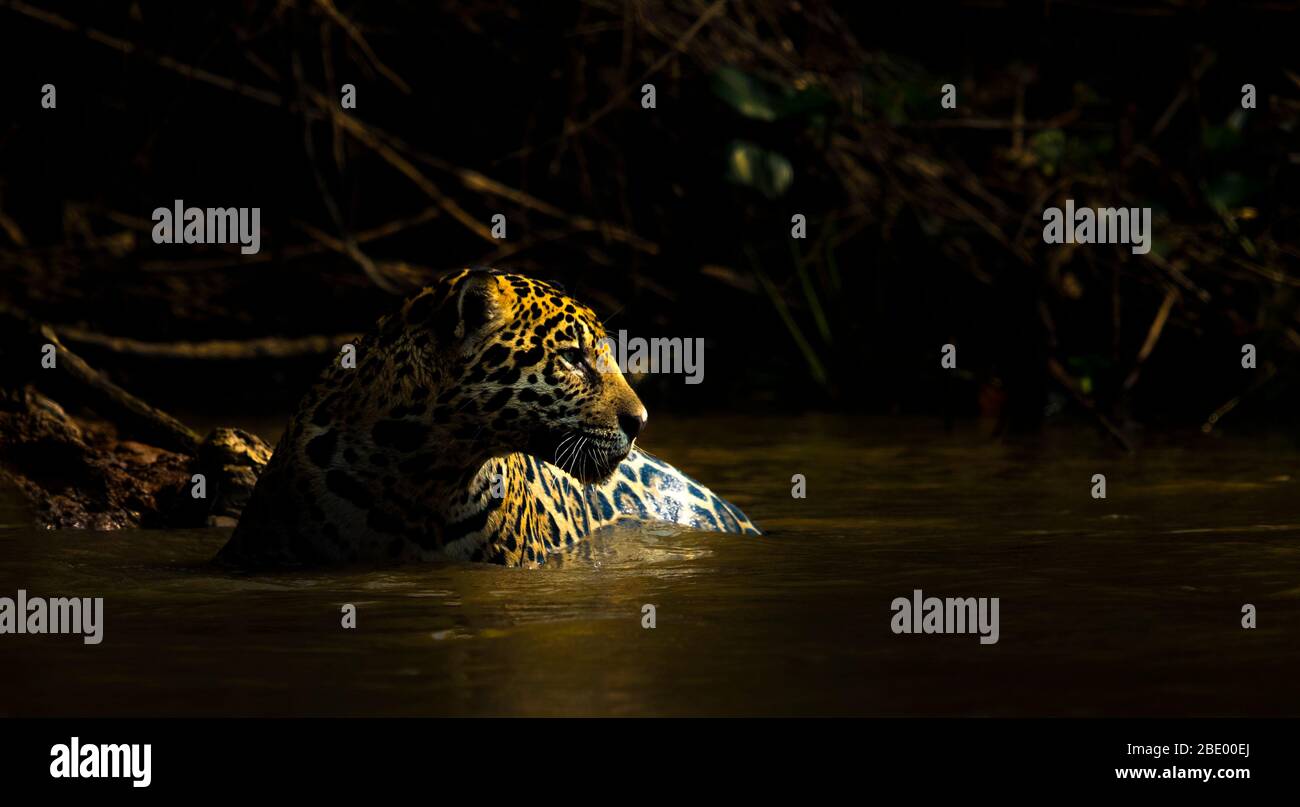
<point x="575" y="357"/>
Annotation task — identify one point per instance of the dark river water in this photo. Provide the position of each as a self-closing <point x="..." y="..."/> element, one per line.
<point x="1129" y="605"/>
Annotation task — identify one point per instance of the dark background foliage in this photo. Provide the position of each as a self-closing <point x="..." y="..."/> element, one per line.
<point x="924" y="224"/>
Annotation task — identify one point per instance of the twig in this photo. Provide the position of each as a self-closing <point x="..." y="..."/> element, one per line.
<point x="73" y="377"/>
<point x="1063" y="378"/>
<point x="354" y="33"/>
<point x="1153" y="336"/>
<point x="1265" y="272"/>
<point x="362" y="133"/>
<point x="621" y="96"/>
<point x="350" y="247"/>
<point x="999" y="124"/>
<point x="1218" y="414"/>
<point x="128" y="47"/>
<point x="323" y="243"/>
<point x="1180" y="98"/>
<point x="392" y="149"/>
<point x="778" y="301"/>
<point x="12" y="229"/>
<point x="213" y="350"/>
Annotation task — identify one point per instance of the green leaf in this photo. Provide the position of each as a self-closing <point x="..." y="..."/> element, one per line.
<point x="1085" y="95"/>
<point x="1049" y="147"/>
<point x="746" y="94"/>
<point x="762" y="100"/>
<point x="755" y="167"/>
<point x="1220" y="138"/>
<point x="1230" y="190"/>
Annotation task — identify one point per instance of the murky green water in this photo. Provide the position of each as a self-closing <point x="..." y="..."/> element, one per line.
<point x="1131" y="605"/>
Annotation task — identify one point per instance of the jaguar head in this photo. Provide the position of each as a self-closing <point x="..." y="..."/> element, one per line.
<point x="533" y="373"/>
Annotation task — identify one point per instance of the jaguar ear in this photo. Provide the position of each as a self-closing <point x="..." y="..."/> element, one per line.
<point x="479" y="307"/>
<point x="462" y="309"/>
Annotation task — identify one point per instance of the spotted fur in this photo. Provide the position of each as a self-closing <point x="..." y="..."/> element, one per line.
<point x="485" y="384"/>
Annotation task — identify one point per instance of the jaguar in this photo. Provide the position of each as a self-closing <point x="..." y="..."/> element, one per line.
<point x="486" y="420"/>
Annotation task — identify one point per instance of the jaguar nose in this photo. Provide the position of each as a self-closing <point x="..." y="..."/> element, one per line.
<point x="632" y="424"/>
